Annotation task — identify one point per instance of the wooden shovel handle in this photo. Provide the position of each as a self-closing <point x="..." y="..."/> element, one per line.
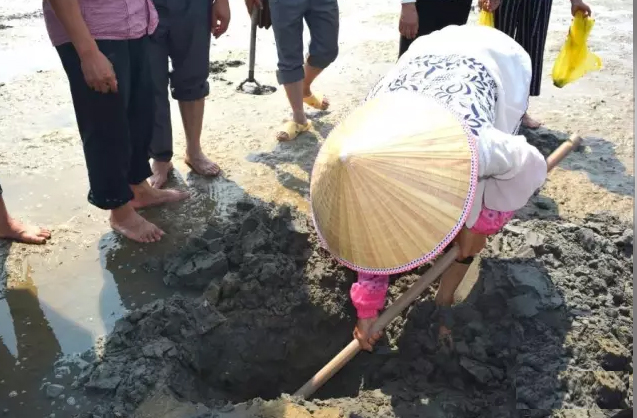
<point x="562" y="151"/>
<point x="348" y="353"/>
<point x="341" y="359"/>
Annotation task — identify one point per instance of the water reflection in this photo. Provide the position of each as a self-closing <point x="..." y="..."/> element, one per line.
<point x="32" y="347"/>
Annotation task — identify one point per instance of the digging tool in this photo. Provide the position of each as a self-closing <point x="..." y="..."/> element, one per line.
<point x="256" y="88"/>
<point x="348" y="353"/>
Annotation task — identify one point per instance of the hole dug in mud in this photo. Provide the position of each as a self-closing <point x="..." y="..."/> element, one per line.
<point x="274" y="309"/>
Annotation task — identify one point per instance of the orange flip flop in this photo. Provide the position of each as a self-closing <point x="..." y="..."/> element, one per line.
<point x="292" y="130"/>
<point x="316" y="101"/>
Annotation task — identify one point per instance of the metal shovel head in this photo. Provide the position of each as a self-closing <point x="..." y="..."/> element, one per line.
<point x="252" y="86"/>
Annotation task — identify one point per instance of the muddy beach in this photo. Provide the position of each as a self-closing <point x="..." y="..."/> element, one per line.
<point x="239" y="304"/>
<point x="547" y="326"/>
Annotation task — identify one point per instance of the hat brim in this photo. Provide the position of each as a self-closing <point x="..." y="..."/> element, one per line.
<point x="341" y="220"/>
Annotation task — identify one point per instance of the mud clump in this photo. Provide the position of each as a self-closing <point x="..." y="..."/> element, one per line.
<point x="548" y="325"/>
<point x="218" y="67"/>
<point x="274" y="308"/>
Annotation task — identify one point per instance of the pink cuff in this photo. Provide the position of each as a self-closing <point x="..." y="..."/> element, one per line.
<point x="367" y="313"/>
<point x="490" y="222"/>
<point x="368" y="294"/>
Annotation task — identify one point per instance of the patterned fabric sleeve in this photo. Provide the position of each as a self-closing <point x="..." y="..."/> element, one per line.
<point x="490" y="222"/>
<point x="368" y="294"/>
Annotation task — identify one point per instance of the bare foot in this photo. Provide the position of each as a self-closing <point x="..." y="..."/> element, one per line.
<point x="529" y="122"/>
<point x="130" y="224"/>
<point x="161" y="169"/>
<point x="147" y="196"/>
<point x="202" y="165"/>
<point x="27" y="234"/>
<point x="445" y="339"/>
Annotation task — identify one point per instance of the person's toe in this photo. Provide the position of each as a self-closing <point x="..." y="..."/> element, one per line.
<point x="33" y="239"/>
<point x="177" y="195"/>
<point x="213" y="169"/>
<point x="157" y="234"/>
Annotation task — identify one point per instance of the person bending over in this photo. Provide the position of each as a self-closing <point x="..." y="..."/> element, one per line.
<point x="482" y="76"/>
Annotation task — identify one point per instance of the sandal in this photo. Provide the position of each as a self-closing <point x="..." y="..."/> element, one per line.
<point x="292" y="129"/>
<point x="317" y="101"/>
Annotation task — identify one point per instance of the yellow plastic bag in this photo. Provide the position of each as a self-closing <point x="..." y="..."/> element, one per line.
<point x="575" y="59"/>
<point x="486" y="19"/>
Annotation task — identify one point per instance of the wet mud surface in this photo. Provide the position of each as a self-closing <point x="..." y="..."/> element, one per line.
<point x="548" y="325"/>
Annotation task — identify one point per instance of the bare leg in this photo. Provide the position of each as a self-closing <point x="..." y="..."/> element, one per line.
<point x="192" y="118"/>
<point x="529" y="122"/>
<point x="294" y="92"/>
<point x="17" y="231"/>
<point x="449" y="282"/>
<point x="310" y="75"/>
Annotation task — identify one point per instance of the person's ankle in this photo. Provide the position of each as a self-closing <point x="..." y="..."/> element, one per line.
<point x="141" y="189"/>
<point x="193" y="151"/>
<point x="5" y="224"/>
<point x="159" y="162"/>
<point x="122" y="212"/>
<point x="301" y="118"/>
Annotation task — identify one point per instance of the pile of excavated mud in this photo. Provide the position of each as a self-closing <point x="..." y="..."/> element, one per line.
<point x="548" y="325"/>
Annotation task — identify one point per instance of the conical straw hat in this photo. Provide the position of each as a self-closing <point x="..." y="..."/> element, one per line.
<point x="393" y="183"/>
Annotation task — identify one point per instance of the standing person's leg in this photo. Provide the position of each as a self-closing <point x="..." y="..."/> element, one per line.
<point x="102" y="120"/>
<point x="189" y="50"/>
<point x="161" y="144"/>
<point x="15" y="230"/>
<point x="507" y="16"/>
<point x="532" y="33"/>
<point x="323" y="22"/>
<point x="140" y="115"/>
<point x="449" y="282"/>
<point x="287" y="24"/>
<point x="434" y="15"/>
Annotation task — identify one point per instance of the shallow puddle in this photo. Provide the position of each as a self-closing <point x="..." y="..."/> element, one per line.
<point x="61" y="299"/>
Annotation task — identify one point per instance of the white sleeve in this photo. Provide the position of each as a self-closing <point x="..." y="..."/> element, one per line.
<point x="511" y="169"/>
<point x="407" y="1"/>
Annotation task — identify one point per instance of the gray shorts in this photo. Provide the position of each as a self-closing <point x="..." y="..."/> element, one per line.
<point x="322" y="20"/>
<point x="183" y="34"/>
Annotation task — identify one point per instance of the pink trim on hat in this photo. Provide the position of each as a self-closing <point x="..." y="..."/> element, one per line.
<point x="425" y="258"/>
